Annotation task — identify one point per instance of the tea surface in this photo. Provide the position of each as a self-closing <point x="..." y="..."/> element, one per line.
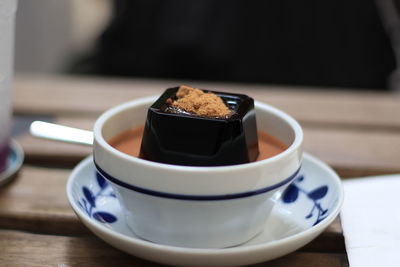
<point x="129" y="143"/>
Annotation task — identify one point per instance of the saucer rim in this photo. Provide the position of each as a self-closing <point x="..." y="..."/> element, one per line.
<point x="8" y="173"/>
<point x="296" y="240"/>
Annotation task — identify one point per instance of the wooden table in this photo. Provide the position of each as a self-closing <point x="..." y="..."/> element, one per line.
<point x="356" y="132"/>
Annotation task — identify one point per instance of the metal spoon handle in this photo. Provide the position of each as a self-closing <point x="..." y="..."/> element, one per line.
<point x="61" y="133"/>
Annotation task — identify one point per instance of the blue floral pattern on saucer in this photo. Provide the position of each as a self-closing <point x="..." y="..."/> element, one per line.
<point x="89" y="199"/>
<point x="291" y="195"/>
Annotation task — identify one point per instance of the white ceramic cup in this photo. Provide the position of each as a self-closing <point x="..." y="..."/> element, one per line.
<point x="202" y="207"/>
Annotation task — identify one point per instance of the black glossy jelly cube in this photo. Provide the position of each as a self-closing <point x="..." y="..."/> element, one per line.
<point x="192" y="140"/>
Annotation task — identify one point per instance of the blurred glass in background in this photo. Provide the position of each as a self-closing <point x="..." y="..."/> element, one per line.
<point x="7" y="16"/>
<point x="337" y="43"/>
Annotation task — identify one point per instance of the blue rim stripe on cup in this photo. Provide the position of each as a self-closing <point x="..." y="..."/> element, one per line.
<point x="195" y="197"/>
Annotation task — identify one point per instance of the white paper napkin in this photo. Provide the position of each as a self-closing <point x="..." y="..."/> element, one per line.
<point x="370" y="219"/>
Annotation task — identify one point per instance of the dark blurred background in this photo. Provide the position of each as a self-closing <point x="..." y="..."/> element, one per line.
<point x="320" y="43"/>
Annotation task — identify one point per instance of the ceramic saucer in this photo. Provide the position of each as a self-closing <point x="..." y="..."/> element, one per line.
<point x="306" y="208"/>
<point x="14" y="162"/>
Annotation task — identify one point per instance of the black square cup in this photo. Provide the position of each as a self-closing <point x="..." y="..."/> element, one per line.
<point x="192" y="140"/>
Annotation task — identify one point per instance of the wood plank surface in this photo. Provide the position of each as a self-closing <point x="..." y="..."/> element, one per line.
<point x="26" y="249"/>
<point x="351" y="152"/>
<point x="36" y="202"/>
<point x="78" y="95"/>
<point x="355" y="132"/>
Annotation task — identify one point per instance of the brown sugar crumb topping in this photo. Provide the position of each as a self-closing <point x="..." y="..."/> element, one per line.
<point x="201" y="103"/>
